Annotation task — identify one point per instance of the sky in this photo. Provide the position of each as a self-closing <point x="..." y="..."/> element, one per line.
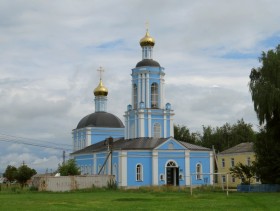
<point x="50" y="52"/>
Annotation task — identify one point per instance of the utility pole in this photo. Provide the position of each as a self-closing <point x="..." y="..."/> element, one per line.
<point x="63" y="157"/>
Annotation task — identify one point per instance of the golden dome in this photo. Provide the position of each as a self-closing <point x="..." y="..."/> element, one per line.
<point x="147" y="40"/>
<point x="100" y="90"/>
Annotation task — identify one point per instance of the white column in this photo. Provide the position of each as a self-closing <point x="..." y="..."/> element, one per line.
<point x="88" y="136"/>
<point x="135" y="125"/>
<point x="171" y="125"/>
<point x="161" y="93"/>
<point x="126" y="125"/>
<point x="141" y="123"/>
<point x="143" y="87"/>
<point x="94" y="164"/>
<point x="211" y="160"/>
<point x="147" y="91"/>
<point x="155" y="168"/>
<point x="187" y="168"/>
<point x="139" y="90"/>
<point x="149" y="125"/>
<point x="132" y="93"/>
<point x="164" y="125"/>
<point x="123" y="169"/>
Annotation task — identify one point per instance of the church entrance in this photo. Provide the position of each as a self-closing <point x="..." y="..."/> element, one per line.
<point x="172" y="174"/>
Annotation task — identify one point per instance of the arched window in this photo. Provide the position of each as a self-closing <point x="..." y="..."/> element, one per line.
<point x="157" y="130"/>
<point x="154" y="95"/>
<point x="135" y="96"/>
<point x="198" y="171"/>
<point x="171" y="164"/>
<point x="139" y="172"/>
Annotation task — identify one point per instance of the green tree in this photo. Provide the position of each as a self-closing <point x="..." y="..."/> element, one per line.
<point x="265" y="90"/>
<point x="182" y="133"/>
<point x="227" y="135"/>
<point x="10" y="173"/>
<point x="23" y="174"/>
<point x="243" y="172"/>
<point x="69" y="168"/>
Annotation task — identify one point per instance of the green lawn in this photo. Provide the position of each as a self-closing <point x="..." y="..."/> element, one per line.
<point x="137" y="200"/>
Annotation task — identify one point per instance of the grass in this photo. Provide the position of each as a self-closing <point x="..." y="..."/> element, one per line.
<point x="142" y="199"/>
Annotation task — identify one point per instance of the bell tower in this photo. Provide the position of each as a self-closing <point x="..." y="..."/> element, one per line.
<point x="148" y="115"/>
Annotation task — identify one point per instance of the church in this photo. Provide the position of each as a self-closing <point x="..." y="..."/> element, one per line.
<point x="143" y="152"/>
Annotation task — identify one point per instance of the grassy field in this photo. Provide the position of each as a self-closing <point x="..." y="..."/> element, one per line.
<point x="143" y="199"/>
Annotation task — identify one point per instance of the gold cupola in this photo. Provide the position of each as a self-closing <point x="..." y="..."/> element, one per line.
<point x="100" y="90"/>
<point x="147" y="40"/>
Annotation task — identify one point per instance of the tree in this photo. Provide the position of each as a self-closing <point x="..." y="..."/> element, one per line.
<point x="23" y="174"/>
<point x="69" y="168"/>
<point x="182" y="133"/>
<point x="227" y="135"/>
<point x="10" y="173"/>
<point x="265" y="90"/>
<point x="243" y="172"/>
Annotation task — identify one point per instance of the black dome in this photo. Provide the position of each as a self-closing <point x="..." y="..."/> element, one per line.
<point x="100" y="119"/>
<point x="148" y="62"/>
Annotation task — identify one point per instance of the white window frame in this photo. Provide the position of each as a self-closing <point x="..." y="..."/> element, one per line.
<point x="199" y="175"/>
<point x="139" y="172"/>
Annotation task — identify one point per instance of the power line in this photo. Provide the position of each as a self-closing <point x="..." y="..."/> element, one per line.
<point x="20" y="137"/>
<point x="32" y="144"/>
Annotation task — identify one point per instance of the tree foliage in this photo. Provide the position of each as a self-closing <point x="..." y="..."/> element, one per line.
<point x="69" y="168"/>
<point x="23" y="174"/>
<point x="265" y="90"/>
<point x="265" y="86"/>
<point x="10" y="173"/>
<point x="182" y="133"/>
<point x="227" y="135"/>
<point x="243" y="172"/>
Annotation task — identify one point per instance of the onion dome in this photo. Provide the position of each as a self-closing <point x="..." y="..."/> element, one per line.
<point x="100" y="119"/>
<point x="147" y="40"/>
<point x="100" y="90"/>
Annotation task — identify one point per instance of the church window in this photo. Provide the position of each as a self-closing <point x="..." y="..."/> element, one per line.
<point x="154" y="95"/>
<point x="157" y="130"/>
<point x="161" y="177"/>
<point x="139" y="172"/>
<point x="135" y="96"/>
<point x="198" y="171"/>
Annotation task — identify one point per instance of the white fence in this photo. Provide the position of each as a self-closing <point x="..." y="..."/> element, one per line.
<point x="68" y="183"/>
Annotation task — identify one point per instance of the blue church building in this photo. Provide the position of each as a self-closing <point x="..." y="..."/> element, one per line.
<point x="144" y="151"/>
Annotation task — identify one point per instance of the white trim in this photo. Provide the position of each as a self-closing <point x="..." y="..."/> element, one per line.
<point x="143" y="88"/>
<point x="164" y="125"/>
<point x="158" y="126"/>
<point x="139" y="90"/>
<point x="123" y="177"/>
<point x="187" y="167"/>
<point x="149" y="125"/>
<point x="155" y="168"/>
<point x="147" y="91"/>
<point x="211" y="160"/>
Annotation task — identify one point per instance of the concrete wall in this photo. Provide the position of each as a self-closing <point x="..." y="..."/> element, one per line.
<point x="68" y="183"/>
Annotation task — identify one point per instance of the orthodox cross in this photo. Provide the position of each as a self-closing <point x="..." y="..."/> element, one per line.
<point x="100" y="70"/>
<point x="147" y="26"/>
